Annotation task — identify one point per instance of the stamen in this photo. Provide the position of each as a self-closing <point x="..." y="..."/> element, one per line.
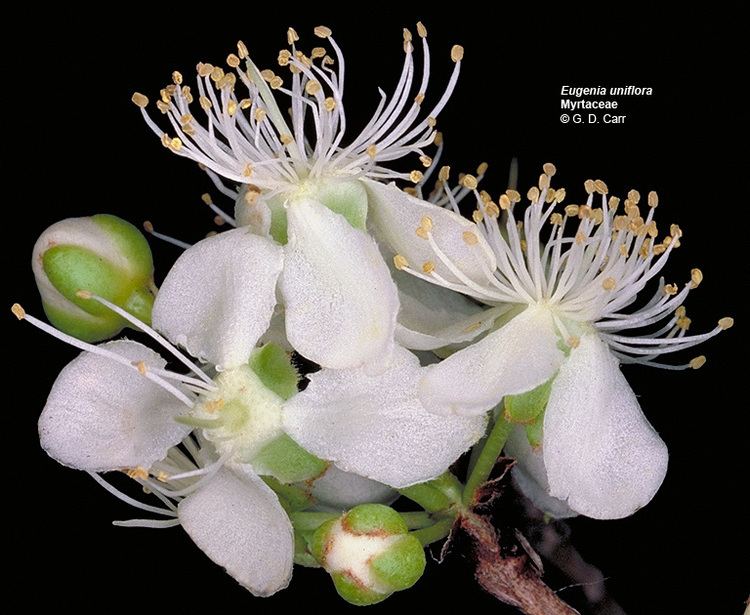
<point x="149" y="228"/>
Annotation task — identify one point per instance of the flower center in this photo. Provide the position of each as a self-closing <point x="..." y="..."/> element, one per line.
<point x="241" y="416"/>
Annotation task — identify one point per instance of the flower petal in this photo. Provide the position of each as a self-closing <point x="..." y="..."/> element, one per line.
<point x="601" y="453"/>
<point x="341" y="303"/>
<point x="432" y="316"/>
<point x="337" y="490"/>
<point x="530" y="475"/>
<point x="375" y="426"/>
<point x="514" y="359"/>
<point x="218" y="298"/>
<point x="395" y="217"/>
<point x="236" y="520"/>
<point x="102" y="416"/>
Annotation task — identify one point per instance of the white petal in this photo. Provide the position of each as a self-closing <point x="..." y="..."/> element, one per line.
<point x="253" y="213"/>
<point x="514" y="359"/>
<point x="102" y="416"/>
<point x="218" y="298"/>
<point x="341" y="303"/>
<point x="375" y="425"/>
<point x="530" y="475"/>
<point x="432" y="317"/>
<point x="601" y="453"/>
<point x="395" y="216"/>
<point x="337" y="490"/>
<point x="236" y="520"/>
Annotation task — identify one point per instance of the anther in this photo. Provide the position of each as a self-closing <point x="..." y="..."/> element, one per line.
<point x="549" y="168"/>
<point x="399" y="262"/>
<point x="139" y="100"/>
<point x="18" y="311"/>
<point x="470" y="238"/>
<point x="697" y="362"/>
<point x="726" y="323"/>
<point x="428" y="267"/>
<point x="470" y="182"/>
<point x="696" y="277"/>
<point x="457" y="53"/>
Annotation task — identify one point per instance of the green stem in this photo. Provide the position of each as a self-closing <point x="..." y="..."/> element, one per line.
<point x="417" y="520"/>
<point x="427" y="496"/>
<point x="306" y="521"/>
<point x="487" y="458"/>
<point x="435" y="532"/>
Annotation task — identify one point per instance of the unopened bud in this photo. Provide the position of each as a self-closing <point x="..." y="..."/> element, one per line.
<point x="102" y="255"/>
<point x="369" y="553"/>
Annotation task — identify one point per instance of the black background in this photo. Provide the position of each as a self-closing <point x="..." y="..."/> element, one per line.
<point x="73" y="144"/>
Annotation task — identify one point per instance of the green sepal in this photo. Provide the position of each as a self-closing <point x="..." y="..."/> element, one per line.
<point x="273" y="366"/>
<point x="353" y="592"/>
<point x="347" y="198"/>
<point x="526" y="407"/>
<point x="373" y="519"/>
<point x="401" y="565"/>
<point x="291" y="498"/>
<point x="319" y="542"/>
<point x="534" y="431"/>
<point x="302" y="554"/>
<point x="286" y="460"/>
<point x="278" y="228"/>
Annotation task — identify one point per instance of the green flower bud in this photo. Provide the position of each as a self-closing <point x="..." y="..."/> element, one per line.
<point x="369" y="553"/>
<point x="101" y="254"/>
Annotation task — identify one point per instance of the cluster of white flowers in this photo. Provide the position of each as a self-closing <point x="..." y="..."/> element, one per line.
<point x="331" y="260"/>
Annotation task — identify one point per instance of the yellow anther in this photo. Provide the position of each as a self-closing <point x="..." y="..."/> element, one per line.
<point x="18" y="311"/>
<point x="233" y="60"/>
<point x="242" y="50"/>
<point x="609" y="284"/>
<point x="291" y="36"/>
<point x="438" y="139"/>
<point x="84" y="294"/>
<point x="231" y="107"/>
<point x="726" y="323"/>
<point x="147" y="226"/>
<point x="431" y="122"/>
<point x="571" y="210"/>
<point x="600" y="187"/>
<point x="410" y="190"/>
<point x="470" y="238"/>
<point x="485" y="196"/>
<point x="477" y="216"/>
<point x="491" y="209"/>
<point x="533" y="194"/>
<point x="139" y="472"/>
<point x="322" y="32"/>
<point x="683" y="323"/>
<point x="698" y="362"/>
<point x="444" y="173"/>
<point x="551" y="193"/>
<point x="399" y="262"/>
<point x="284" y="57"/>
<point x="659" y="249"/>
<point x="217" y="74"/>
<point x="470" y="182"/>
<point x="206" y="198"/>
<point x="623" y="250"/>
<point x="140" y="366"/>
<point x="504" y="202"/>
<point x="428" y="267"/>
<point x="614" y="203"/>
<point x="543" y="181"/>
<point x="482" y="168"/>
<point x="176" y="144"/>
<point x="219" y="221"/>
<point x="426" y="161"/>
<point x="680" y="312"/>
<point x="252" y="194"/>
<point x="426" y="223"/>
<point x="549" y="168"/>
<point x="670" y="289"/>
<point x="580" y="238"/>
<point x="584" y="212"/>
<point x="260" y="115"/>
<point x="457" y="53"/>
<point x="312" y="87"/>
<point x="588" y="185"/>
<point x="421" y="30"/>
<point x="653" y="199"/>
<point x="372" y="151"/>
<point x="407" y="35"/>
<point x="675" y="231"/>
<point x="162" y="106"/>
<point x="328" y="61"/>
<point x="205" y="103"/>
<point x="139" y="100"/>
<point x="248" y="170"/>
<point x="419" y="98"/>
<point x="556" y="219"/>
<point x="276" y="83"/>
<point x="329" y="104"/>
<point x="634" y="196"/>
<point x="598" y="215"/>
<point x="696" y="277"/>
<point x="204" y="70"/>
<point x="416" y="176"/>
<point x="187" y="94"/>
<point x="651" y="229"/>
<point x="267" y="74"/>
<point x="318" y="52"/>
<point x="514" y="196"/>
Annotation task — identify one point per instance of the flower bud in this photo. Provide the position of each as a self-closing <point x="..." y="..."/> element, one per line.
<point x="369" y="553"/>
<point x="101" y="254"/>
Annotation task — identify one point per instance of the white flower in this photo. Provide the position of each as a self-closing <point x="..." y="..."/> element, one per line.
<point x="599" y="454"/>
<point x="310" y="191"/>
